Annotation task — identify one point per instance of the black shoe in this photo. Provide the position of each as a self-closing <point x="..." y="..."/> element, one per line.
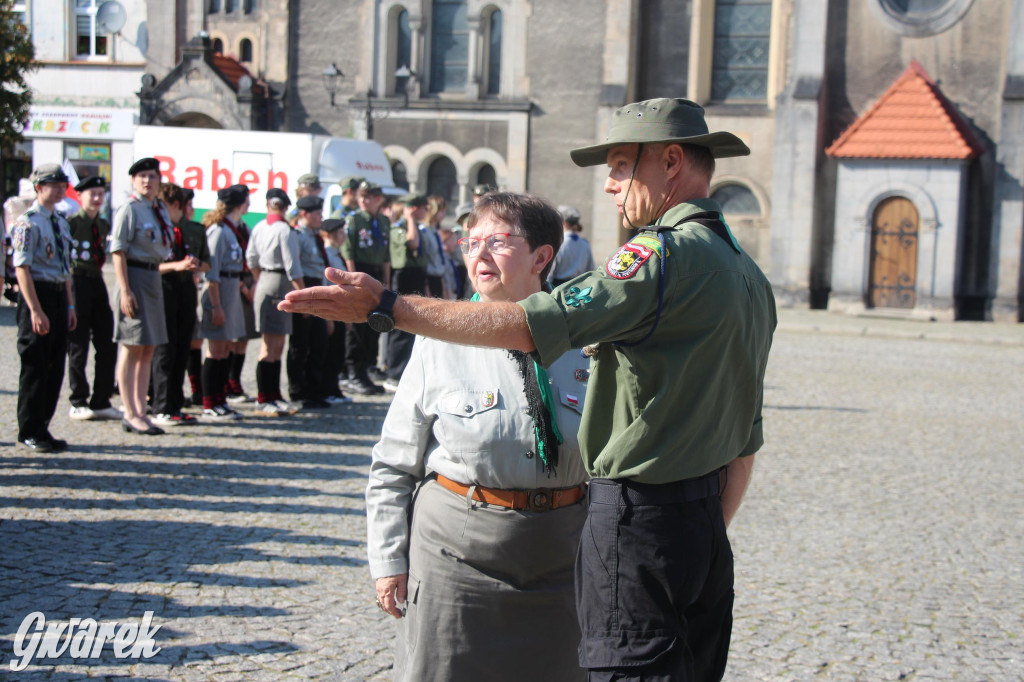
<point x="363" y="386"/>
<point x="375" y="373"/>
<point x="315" y="404"/>
<point x="56" y="444"/>
<point x="37" y="444"/>
<point x="151" y="431"/>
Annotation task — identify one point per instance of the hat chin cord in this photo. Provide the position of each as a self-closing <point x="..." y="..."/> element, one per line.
<point x="636" y="163"/>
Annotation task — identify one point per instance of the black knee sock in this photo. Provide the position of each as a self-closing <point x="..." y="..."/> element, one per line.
<point x="264" y="384"/>
<point x="195" y="371"/>
<point x="224" y="373"/>
<point x="210" y="379"/>
<point x="237" y="361"/>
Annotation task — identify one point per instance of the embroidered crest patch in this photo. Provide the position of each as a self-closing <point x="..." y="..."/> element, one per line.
<point x="627" y="260"/>
<point x="488" y="399"/>
<point x="18" y="236"/>
<point x="583" y="375"/>
<point x="577" y="297"/>
<point x="653" y="243"/>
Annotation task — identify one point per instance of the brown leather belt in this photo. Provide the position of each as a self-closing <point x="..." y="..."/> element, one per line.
<point x="537" y="500"/>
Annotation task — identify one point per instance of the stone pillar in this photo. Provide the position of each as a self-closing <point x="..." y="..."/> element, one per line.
<point x="797" y="154"/>
<point x="473" y="76"/>
<point x="1006" y="280"/>
<point x="416" y="27"/>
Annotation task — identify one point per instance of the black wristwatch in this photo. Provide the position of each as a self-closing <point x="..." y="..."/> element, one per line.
<point x="381" y="320"/>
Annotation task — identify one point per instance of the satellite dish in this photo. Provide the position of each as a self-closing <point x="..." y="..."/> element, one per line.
<point x="110" y="17"/>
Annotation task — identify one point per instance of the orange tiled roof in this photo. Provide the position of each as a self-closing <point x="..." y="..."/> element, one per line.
<point x="912" y="120"/>
<point x="232" y="69"/>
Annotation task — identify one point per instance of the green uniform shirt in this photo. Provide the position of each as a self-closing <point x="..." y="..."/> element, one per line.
<point x="362" y="245"/>
<point x="688" y="399"/>
<point x="89" y="242"/>
<point x="402" y="255"/>
<point x="194" y="236"/>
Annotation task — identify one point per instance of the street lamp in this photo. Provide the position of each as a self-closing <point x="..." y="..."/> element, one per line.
<point x="331" y="77"/>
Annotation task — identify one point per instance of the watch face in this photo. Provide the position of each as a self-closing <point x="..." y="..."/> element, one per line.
<point x="380" y="322"/>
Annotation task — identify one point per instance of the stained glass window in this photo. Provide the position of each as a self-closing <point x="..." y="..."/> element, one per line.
<point x="740" y="63"/>
<point x="449" y="46"/>
<point x="494" y="53"/>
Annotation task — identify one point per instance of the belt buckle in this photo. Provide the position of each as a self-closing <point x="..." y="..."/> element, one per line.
<point x="540" y="500"/>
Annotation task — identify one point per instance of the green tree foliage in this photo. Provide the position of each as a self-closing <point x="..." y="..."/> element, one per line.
<point x="17" y="58"/>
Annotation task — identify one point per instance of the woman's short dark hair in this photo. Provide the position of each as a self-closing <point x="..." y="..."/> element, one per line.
<point x="528" y="215"/>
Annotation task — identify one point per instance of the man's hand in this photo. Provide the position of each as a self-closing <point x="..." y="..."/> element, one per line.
<point x="355" y="295"/>
<point x="72" y="320"/>
<point x="391" y="591"/>
<point x="40" y="322"/>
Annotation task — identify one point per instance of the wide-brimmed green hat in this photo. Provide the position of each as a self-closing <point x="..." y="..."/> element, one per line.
<point x="660" y="120"/>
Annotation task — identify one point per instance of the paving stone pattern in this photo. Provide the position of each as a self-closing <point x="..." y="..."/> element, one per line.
<point x="881" y="538"/>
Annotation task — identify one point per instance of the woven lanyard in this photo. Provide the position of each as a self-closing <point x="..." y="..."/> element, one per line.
<point x="544" y="385"/>
<point x="58" y="240"/>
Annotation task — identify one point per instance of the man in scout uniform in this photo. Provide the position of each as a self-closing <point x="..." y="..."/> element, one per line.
<point x="408" y="276"/>
<point x="195" y="237"/>
<point x="574" y="257"/>
<point x="349" y="197"/>
<point x="309" y="185"/>
<point x="92" y="306"/>
<point x="366" y="249"/>
<point x="46" y="307"/>
<point x="679" y="323"/>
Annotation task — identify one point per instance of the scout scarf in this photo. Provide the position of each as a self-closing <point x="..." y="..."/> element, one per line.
<point x="242" y="235"/>
<point x="539" y="405"/>
<point x="98" y="252"/>
<point x="58" y="241"/>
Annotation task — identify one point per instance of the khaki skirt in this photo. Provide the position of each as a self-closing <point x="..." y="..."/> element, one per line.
<point x="270" y="291"/>
<point x="231" y="301"/>
<point x="149" y="326"/>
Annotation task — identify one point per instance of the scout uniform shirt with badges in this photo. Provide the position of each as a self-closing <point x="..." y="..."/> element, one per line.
<point x="41" y="239"/>
<point x="193" y="235"/>
<point x="142" y="230"/>
<point x="88" y="244"/>
<point x="402" y="256"/>
<point x="669" y="303"/>
<point x="367" y="240"/>
<point x="226" y="255"/>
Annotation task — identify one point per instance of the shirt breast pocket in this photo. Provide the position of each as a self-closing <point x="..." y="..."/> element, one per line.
<point x="470" y="420"/>
<point x="572" y="399"/>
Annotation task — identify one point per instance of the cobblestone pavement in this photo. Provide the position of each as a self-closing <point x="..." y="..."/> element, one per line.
<point x="881" y="538"/>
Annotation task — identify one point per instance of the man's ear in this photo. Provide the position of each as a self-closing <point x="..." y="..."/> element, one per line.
<point x="672" y="159"/>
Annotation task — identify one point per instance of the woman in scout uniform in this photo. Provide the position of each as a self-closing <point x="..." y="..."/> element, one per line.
<point x="89" y="234"/>
<point x="178" y="278"/>
<point x="46" y="308"/>
<point x="222" y="321"/>
<point x="273" y="258"/>
<point x="332" y="233"/>
<point x="141" y="238"/>
<point x="485" y="441"/>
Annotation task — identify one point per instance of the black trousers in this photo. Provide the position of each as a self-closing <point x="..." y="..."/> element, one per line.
<point x="335" y="361"/>
<point x="42" y="360"/>
<point x="654" y="582"/>
<point x="171" y="359"/>
<point x="361" y="341"/>
<point x="404" y="281"/>
<point x="95" y="323"/>
<point x="307" y="352"/>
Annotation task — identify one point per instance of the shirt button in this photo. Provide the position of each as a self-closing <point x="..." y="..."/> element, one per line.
<point x="528" y="455"/>
<point x="468" y="409"/>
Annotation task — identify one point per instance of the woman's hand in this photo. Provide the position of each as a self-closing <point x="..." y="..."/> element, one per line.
<point x="391" y="591"/>
<point x="128" y="303"/>
<point x="218" y="316"/>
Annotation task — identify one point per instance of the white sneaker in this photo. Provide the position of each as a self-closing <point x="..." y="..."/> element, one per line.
<point x="268" y="410"/>
<point x="83" y="413"/>
<point x="240" y="398"/>
<point x="390" y="385"/>
<point x="163" y="420"/>
<point x="287" y="407"/>
<point x="108" y="413"/>
<point x="335" y="400"/>
<point x="221" y="413"/>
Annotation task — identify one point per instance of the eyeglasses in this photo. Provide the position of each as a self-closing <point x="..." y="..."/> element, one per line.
<point x="496" y="243"/>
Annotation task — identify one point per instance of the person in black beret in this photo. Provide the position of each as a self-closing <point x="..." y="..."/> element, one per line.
<point x="309" y="203"/>
<point x="89" y="233"/>
<point x="223" y="322"/>
<point x="332" y="234"/>
<point x="146" y="164"/>
<point x="276" y="193"/>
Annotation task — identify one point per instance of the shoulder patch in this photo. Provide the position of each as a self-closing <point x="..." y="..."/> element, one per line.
<point x="625" y="262"/>
<point x="652" y="243"/>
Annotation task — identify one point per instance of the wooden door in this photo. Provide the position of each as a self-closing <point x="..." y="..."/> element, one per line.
<point x="893" y="277"/>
